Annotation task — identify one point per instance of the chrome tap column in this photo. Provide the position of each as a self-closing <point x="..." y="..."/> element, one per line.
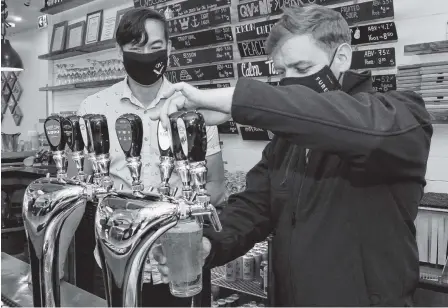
<point x="48" y="204"/>
<point x="74" y="140"/>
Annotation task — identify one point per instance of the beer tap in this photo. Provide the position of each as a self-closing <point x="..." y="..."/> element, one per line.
<point x="75" y="142"/>
<point x="84" y="124"/>
<point x="129" y="130"/>
<point x="56" y="140"/>
<point x="128" y="224"/>
<point x="48" y="204"/>
<point x="166" y="159"/>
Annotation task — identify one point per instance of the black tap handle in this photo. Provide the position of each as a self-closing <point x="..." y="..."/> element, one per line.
<point x="164" y="141"/>
<point x="178" y="136"/>
<point x="72" y="132"/>
<point x="100" y="134"/>
<point x="196" y="134"/>
<point x="129" y="129"/>
<point x="54" y="133"/>
<point x="84" y="126"/>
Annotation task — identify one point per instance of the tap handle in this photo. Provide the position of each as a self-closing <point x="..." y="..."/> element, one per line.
<point x="178" y="136"/>
<point x="204" y="208"/>
<point x="73" y="134"/>
<point x="164" y="140"/>
<point x="54" y="133"/>
<point x="214" y="219"/>
<point x="196" y="135"/>
<point x="100" y="134"/>
<point x="129" y="130"/>
<point x="84" y="125"/>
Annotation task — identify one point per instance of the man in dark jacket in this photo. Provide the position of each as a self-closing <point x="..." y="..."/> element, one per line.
<point x="339" y="185"/>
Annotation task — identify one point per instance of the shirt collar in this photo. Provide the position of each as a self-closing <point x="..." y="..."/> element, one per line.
<point x="128" y="96"/>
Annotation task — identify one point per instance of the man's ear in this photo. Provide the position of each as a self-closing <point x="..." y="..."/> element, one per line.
<point x="344" y="58"/>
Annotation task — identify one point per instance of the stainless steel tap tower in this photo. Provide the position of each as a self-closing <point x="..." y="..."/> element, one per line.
<point x="127" y="224"/>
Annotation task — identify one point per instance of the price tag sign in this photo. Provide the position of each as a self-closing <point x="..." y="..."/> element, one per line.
<point x="42" y="22"/>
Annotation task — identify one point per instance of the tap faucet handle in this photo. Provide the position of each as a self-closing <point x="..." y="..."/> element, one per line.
<point x="100" y="134"/>
<point x="129" y="130"/>
<point x="73" y="133"/>
<point x="84" y="125"/>
<point x="196" y="136"/>
<point x="54" y="133"/>
<point x="178" y="133"/>
<point x="164" y="140"/>
<point x="202" y="207"/>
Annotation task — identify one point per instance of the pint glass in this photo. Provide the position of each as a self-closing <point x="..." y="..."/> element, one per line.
<point x="182" y="247"/>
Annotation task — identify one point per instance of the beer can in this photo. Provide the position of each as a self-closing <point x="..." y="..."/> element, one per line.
<point x="265" y="278"/>
<point x="257" y="264"/>
<point x="261" y="274"/>
<point x="215" y="292"/>
<point x="253" y="304"/>
<point x="229" y="302"/>
<point x="236" y="299"/>
<point x="248" y="267"/>
<point x="215" y="304"/>
<point x="231" y="271"/>
<point x="221" y="302"/>
<point x="264" y="256"/>
<point x="239" y="268"/>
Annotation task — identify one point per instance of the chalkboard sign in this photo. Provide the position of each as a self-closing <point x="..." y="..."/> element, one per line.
<point x="384" y="83"/>
<point x="199" y="21"/>
<point x="252" y="48"/>
<point x="257" y="8"/>
<point x="210" y="72"/>
<point x="373" y="58"/>
<point x="190" y="7"/>
<point x="209" y="55"/>
<point x="146" y="3"/>
<point x="376" y="33"/>
<point x="319" y="2"/>
<point x="202" y="38"/>
<point x="213" y="85"/>
<point x="256" y="69"/>
<point x="357" y="13"/>
<point x="254" y="30"/>
<point x="254" y="133"/>
<point x="228" y="127"/>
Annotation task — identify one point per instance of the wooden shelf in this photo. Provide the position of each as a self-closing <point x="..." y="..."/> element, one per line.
<point x="426" y="48"/>
<point x="64" y="6"/>
<point x="82" y="85"/>
<point x="76" y="51"/>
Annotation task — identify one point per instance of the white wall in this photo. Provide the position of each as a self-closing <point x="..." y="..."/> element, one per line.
<point x="417" y="22"/>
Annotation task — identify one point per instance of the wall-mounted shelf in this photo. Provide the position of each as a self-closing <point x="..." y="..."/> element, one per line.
<point x="248" y="287"/>
<point x="76" y="51"/>
<point x="82" y="85"/>
<point x="64" y="6"/>
<point x="426" y="48"/>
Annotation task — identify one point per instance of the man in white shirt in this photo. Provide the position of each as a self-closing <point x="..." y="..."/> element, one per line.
<point x="143" y="42"/>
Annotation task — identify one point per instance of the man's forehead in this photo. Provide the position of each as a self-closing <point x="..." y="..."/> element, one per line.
<point x="295" y="48"/>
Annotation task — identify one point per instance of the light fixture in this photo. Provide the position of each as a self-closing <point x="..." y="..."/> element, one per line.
<point x="11" y="60"/>
<point x="16" y="18"/>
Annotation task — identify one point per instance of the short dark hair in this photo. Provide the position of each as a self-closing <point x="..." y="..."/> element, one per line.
<point x="131" y="28"/>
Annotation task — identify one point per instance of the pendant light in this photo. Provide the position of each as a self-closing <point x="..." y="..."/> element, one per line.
<point x="11" y="60"/>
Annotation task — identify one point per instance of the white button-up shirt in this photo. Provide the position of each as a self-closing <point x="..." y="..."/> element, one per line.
<point x="118" y="100"/>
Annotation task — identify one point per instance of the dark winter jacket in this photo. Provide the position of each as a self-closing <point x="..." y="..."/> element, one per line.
<point x="339" y="186"/>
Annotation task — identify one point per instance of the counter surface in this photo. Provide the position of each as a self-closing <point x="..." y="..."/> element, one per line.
<point x="15" y="287"/>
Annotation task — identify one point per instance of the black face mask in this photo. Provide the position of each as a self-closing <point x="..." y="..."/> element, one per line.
<point x="322" y="81"/>
<point x="145" y="68"/>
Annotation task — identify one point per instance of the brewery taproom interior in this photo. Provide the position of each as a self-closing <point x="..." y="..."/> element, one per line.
<point x="224" y="153"/>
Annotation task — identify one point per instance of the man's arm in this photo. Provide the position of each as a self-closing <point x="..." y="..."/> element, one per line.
<point x="391" y="129"/>
<point x="246" y="219"/>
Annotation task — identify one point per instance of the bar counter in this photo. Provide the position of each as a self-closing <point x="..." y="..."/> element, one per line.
<point x="15" y="287"/>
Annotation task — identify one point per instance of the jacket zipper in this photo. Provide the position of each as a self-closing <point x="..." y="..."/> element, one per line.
<point x="291" y="157"/>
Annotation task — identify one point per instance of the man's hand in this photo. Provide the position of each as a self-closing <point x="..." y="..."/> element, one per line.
<point x="215" y="105"/>
<point x="161" y="259"/>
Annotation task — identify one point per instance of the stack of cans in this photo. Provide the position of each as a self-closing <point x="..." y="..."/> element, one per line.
<point x="231" y="301"/>
<point x="249" y="267"/>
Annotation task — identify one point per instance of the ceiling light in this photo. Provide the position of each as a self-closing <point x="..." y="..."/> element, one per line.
<point x="16" y="18"/>
<point x="11" y="60"/>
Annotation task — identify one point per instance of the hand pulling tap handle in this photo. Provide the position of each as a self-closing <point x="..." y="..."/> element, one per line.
<point x="75" y="142"/>
<point x="57" y="141"/>
<point x="166" y="158"/>
<point x="129" y="129"/>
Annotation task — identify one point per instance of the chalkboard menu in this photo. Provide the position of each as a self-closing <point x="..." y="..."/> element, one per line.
<point x="376" y="33"/>
<point x="209" y="55"/>
<point x="254" y="30"/>
<point x="252" y="48"/>
<point x="373" y="58"/>
<point x="257" y="8"/>
<point x="256" y="69"/>
<point x="254" y="133"/>
<point x="319" y="2"/>
<point x="146" y="3"/>
<point x="203" y="38"/>
<point x="228" y="127"/>
<point x="213" y="85"/>
<point x="357" y="13"/>
<point x="190" y="7"/>
<point x="384" y="83"/>
<point x="209" y="72"/>
<point x="199" y="21"/>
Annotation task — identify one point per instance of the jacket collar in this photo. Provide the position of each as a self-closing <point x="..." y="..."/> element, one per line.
<point x="355" y="82"/>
